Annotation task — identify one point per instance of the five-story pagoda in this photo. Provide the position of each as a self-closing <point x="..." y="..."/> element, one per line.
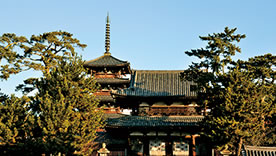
<point x="109" y="72"/>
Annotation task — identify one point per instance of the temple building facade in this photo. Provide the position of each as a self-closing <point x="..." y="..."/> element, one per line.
<point x="162" y="115"/>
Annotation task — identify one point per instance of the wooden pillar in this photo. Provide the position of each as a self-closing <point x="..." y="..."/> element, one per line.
<point x="128" y="146"/>
<point x="145" y="146"/>
<point x="168" y="146"/>
<point x="192" y="146"/>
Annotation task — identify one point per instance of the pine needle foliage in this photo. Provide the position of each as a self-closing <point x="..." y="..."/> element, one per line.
<point x="67" y="110"/>
<point x="11" y="61"/>
<point x="240" y="94"/>
<point x="63" y="116"/>
<point x="16" y="124"/>
<point x="39" y="52"/>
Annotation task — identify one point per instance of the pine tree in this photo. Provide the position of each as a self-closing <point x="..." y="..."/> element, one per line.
<point x="246" y="108"/>
<point x="209" y="73"/>
<point x="16" y="123"/>
<point x="11" y="61"/>
<point x="240" y="95"/>
<point x="263" y="75"/>
<point x="64" y="112"/>
<point x="45" y="50"/>
<point x="67" y="109"/>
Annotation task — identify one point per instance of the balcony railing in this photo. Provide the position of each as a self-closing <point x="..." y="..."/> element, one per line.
<point x="171" y="111"/>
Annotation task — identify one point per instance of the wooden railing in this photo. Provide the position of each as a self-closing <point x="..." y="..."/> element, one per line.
<point x="108" y="110"/>
<point x="258" y="151"/>
<point x="173" y="111"/>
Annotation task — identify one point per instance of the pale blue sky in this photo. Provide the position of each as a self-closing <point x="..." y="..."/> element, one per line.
<point x="150" y="34"/>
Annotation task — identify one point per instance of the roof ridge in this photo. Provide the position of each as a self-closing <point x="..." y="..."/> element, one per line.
<point x="106" y="60"/>
<point x="157" y="71"/>
<point x="120" y="78"/>
<point x="105" y="56"/>
<point x="118" y="59"/>
<point x="94" y="59"/>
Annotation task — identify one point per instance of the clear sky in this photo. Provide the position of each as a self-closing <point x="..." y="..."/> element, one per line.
<point x="150" y="34"/>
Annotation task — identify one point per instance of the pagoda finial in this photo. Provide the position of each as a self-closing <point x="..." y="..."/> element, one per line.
<point x="107" y="36"/>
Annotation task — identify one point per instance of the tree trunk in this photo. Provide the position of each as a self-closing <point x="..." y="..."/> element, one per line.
<point x="239" y="147"/>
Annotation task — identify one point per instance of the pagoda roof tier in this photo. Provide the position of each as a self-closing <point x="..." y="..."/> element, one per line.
<point x="113" y="115"/>
<point x="112" y="80"/>
<point x="106" y="61"/>
<point x="105" y="98"/>
<point x="153" y="83"/>
<point x="147" y="121"/>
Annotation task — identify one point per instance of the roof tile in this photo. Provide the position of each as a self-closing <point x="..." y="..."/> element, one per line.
<point x="146" y="121"/>
<point x="105" y="98"/>
<point x="105" y="61"/>
<point x="112" y="80"/>
<point x="157" y="83"/>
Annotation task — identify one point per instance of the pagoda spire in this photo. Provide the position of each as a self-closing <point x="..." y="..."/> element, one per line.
<point x="107" y="36"/>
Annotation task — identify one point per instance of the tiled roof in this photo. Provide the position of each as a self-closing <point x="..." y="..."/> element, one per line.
<point x="112" y="80"/>
<point x="157" y="83"/>
<point x="105" y="61"/>
<point x="103" y="137"/>
<point x="146" y="121"/>
<point x="113" y="115"/>
<point x="105" y="98"/>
